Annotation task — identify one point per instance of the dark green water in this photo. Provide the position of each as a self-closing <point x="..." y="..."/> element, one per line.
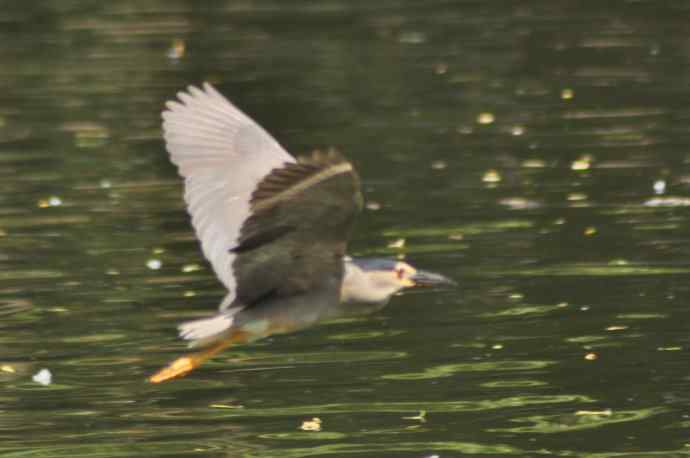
<point x="535" y="151"/>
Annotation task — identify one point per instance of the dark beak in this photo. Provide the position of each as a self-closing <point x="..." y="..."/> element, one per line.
<point x="424" y="278"/>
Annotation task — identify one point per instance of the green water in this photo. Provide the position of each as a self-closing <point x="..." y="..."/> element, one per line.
<point x="535" y="152"/>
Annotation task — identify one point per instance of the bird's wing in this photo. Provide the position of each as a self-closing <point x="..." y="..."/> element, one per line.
<point x="295" y="239"/>
<point x="223" y="155"/>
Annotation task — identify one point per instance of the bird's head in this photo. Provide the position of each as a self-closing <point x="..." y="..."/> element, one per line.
<point x="376" y="280"/>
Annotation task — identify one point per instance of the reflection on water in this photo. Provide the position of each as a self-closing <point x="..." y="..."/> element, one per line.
<point x="447" y="370"/>
<point x="535" y="152"/>
<point x="578" y="420"/>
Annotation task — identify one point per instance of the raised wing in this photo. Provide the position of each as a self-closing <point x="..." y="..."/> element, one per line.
<point x="223" y="155"/>
<point x="296" y="236"/>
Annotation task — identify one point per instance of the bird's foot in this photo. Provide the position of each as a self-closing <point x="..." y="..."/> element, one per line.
<point x="178" y="368"/>
<point x="186" y="364"/>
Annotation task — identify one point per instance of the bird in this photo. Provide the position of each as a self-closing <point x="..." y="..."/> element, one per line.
<point x="273" y="227"/>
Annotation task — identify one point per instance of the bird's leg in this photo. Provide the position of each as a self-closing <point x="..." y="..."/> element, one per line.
<point x="185" y="364"/>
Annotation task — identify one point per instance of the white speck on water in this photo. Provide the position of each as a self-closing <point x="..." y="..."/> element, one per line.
<point x="154" y="264"/>
<point x="659" y="187"/>
<point x="412" y="38"/>
<point x="439" y="165"/>
<point x="177" y="49"/>
<point x="485" y="118"/>
<point x="668" y="202"/>
<point x="44" y="377"/>
<point x="373" y="206"/>
<point x="491" y="176"/>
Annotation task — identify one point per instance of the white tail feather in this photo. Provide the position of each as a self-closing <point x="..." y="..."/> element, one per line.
<point x="203" y="331"/>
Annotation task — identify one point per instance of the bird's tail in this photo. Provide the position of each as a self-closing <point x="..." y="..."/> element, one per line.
<point x="203" y="332"/>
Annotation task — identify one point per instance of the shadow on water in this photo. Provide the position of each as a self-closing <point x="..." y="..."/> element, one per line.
<point x="536" y="152"/>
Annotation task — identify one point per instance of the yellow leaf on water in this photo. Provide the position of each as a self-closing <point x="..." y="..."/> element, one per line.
<point x="311" y="425"/>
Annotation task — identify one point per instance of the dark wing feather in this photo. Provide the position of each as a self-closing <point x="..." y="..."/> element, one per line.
<point x="295" y="238"/>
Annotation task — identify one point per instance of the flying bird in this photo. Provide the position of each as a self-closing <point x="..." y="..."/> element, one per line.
<point x="273" y="227"/>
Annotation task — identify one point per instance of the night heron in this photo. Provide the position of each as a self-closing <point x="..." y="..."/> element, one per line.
<point x="274" y="228"/>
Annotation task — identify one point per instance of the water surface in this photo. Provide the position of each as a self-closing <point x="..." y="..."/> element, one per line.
<point x="536" y="152"/>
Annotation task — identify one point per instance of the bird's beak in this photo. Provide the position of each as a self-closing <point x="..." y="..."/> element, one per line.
<point x="424" y="278"/>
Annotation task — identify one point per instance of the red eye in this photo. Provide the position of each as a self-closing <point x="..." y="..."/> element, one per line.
<point x="400" y="272"/>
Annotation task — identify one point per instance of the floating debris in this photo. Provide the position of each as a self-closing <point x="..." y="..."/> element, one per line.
<point x="154" y="264"/>
<point x="517" y="130"/>
<point x="87" y="134"/>
<point x="439" y="165"/>
<point x="519" y="203"/>
<point x="177" y="49"/>
<point x="567" y="94"/>
<point x="576" y="196"/>
<point x="52" y="201"/>
<point x="605" y="412"/>
<point x="485" y="118"/>
<point x="44" y="377"/>
<point x="373" y="206"/>
<point x="412" y="37"/>
<point x="659" y="187"/>
<point x="399" y="243"/>
<point x="311" y="425"/>
<point x="7" y="368"/>
<point x="226" y="406"/>
<point x="191" y="268"/>
<point x="533" y="164"/>
<point x="582" y="163"/>
<point x="421" y="417"/>
<point x="441" y="68"/>
<point x="668" y="202"/>
<point x="591" y="356"/>
<point x="491" y="176"/>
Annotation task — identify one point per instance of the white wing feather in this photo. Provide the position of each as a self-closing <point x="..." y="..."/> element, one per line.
<point x="222" y="155"/>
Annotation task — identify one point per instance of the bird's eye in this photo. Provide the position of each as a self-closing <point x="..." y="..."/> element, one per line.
<point x="400" y="273"/>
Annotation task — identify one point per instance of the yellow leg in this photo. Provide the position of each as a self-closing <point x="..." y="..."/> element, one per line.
<point x="185" y="364"/>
